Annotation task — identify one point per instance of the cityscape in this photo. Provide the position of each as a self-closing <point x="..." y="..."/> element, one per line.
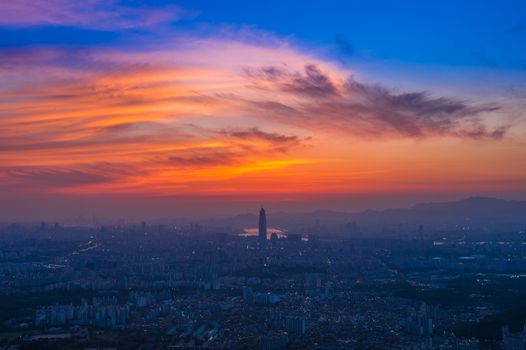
<point x="168" y="286"/>
<point x="272" y="175"/>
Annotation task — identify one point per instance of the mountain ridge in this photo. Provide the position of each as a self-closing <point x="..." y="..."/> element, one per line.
<point x="475" y="211"/>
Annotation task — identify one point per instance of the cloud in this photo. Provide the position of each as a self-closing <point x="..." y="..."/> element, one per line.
<point x="310" y="83"/>
<point x="93" y="14"/>
<point x="202" y="112"/>
<point x="416" y="113"/>
<point x="59" y="177"/>
<point x="362" y="109"/>
<point x="200" y="158"/>
<point x="236" y="146"/>
<point x="255" y="133"/>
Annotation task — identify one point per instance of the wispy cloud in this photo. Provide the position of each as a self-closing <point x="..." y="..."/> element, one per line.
<point x="206" y="114"/>
<point x="203" y="158"/>
<point x="369" y="109"/>
<point x="44" y="177"/>
<point x="282" y="141"/>
<point x="95" y="14"/>
<point x="313" y="83"/>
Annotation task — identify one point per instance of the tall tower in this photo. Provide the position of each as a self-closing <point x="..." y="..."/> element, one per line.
<point x="262" y="225"/>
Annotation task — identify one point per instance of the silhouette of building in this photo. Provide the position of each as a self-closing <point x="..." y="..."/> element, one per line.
<point x="262" y="225"/>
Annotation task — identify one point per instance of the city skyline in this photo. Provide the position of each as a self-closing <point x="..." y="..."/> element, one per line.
<point x="121" y="109"/>
<point x="274" y="175"/>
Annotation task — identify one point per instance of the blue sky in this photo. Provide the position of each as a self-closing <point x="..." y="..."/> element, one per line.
<point x="446" y="32"/>
<point x="454" y="33"/>
<point x="469" y="33"/>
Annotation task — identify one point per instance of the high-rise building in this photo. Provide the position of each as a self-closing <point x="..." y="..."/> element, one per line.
<point x="262" y="225"/>
<point x="296" y="324"/>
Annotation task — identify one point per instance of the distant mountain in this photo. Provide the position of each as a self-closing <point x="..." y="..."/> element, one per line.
<point x="470" y="211"/>
<point x="474" y="212"/>
<point x="294" y="221"/>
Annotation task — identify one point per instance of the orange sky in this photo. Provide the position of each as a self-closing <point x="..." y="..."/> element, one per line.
<point x="230" y="118"/>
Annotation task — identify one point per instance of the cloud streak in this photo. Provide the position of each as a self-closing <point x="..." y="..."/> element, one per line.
<point x="93" y="14"/>
<point x="157" y="121"/>
<point x="362" y="109"/>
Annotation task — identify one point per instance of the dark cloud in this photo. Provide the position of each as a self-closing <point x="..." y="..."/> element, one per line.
<point x="277" y="142"/>
<point x="414" y="113"/>
<point x="130" y="126"/>
<point x="238" y="148"/>
<point x="309" y="83"/>
<point x="371" y="110"/>
<point x="269" y="73"/>
<point x="255" y="133"/>
<point x="204" y="157"/>
<point x="275" y="107"/>
<point x="14" y="144"/>
<point x="56" y="177"/>
<point x="313" y="83"/>
<point x="116" y="134"/>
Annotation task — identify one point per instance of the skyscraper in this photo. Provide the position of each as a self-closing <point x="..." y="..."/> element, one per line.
<point x="262" y="225"/>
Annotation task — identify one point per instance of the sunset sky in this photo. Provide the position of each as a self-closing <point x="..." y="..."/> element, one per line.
<point x="167" y="108"/>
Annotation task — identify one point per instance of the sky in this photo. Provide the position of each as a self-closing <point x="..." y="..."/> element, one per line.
<point x="146" y="109"/>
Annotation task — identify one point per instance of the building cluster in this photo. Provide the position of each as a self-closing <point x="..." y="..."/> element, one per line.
<point x="101" y="312"/>
<point x="190" y="287"/>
